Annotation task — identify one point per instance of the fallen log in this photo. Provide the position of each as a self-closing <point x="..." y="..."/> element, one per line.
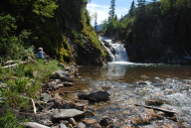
<point x="34" y="125"/>
<point x="15" y="64"/>
<point x="167" y="112"/>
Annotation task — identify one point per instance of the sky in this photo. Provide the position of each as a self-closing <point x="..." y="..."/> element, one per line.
<point x="101" y="7"/>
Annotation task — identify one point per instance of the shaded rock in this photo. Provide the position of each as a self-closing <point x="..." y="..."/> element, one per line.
<point x="67" y="84"/>
<point x="155" y="102"/>
<point x="65" y="113"/>
<point x="95" y="96"/>
<point x="106" y="121"/>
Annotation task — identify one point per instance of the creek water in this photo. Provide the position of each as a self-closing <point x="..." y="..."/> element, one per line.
<point x="134" y="83"/>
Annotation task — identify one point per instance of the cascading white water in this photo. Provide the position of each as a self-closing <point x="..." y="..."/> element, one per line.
<point x="116" y="50"/>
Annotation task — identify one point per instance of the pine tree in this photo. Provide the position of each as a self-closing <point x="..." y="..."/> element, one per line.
<point x="141" y="3"/>
<point x="132" y="8"/>
<point x="112" y="10"/>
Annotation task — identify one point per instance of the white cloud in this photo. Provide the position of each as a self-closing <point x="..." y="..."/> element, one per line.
<point x="102" y="12"/>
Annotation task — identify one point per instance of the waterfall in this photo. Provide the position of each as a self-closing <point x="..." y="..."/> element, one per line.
<point x="116" y="50"/>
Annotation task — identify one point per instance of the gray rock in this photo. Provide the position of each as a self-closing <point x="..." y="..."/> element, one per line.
<point x="81" y="125"/>
<point x="62" y="126"/>
<point x="66" y="113"/>
<point x="62" y="75"/>
<point x="46" y="97"/>
<point x="95" y="96"/>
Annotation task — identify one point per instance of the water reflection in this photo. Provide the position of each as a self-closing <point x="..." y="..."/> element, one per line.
<point x="133" y="72"/>
<point x="115" y="71"/>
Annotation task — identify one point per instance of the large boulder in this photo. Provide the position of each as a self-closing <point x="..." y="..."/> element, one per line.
<point x="98" y="96"/>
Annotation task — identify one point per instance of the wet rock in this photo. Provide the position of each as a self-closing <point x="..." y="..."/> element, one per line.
<point x="81" y="125"/>
<point x="65" y="113"/>
<point x="62" y="75"/>
<point x="95" y="96"/>
<point x="106" y="122"/>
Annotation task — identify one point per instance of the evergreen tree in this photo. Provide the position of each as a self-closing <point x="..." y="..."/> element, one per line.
<point x="112" y="10"/>
<point x="141" y="3"/>
<point x="132" y="8"/>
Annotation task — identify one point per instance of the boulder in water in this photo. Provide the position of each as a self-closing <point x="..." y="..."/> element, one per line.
<point x="98" y="96"/>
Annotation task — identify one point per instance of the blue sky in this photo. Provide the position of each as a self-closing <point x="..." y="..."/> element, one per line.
<point x="101" y="7"/>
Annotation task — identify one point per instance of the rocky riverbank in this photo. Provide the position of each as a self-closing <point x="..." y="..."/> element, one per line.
<point x="56" y="110"/>
<point x="158" y="103"/>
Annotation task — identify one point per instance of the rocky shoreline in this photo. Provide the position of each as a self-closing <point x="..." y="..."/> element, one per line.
<point x="144" y="104"/>
<point x="56" y="111"/>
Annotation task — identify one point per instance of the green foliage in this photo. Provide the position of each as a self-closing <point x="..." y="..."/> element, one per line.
<point x="7" y="25"/>
<point x="24" y="82"/>
<point x="8" y="120"/>
<point x="166" y="5"/>
<point x="45" y="7"/>
<point x="112" y="10"/>
<point x="132" y="9"/>
<point x="141" y="3"/>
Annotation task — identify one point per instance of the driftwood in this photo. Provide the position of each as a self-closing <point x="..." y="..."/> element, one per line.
<point x="167" y="112"/>
<point x="34" y="125"/>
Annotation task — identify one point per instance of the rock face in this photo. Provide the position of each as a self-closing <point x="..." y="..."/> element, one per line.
<point x="66" y="35"/>
<point x="95" y="96"/>
<point x="165" y="38"/>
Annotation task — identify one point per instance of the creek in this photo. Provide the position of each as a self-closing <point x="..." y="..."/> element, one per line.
<point x="135" y="83"/>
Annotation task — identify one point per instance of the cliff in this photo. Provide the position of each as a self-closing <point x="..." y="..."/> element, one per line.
<point x="157" y="32"/>
<point x="64" y="32"/>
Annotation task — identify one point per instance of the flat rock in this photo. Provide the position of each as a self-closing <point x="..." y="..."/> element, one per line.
<point x="65" y="113"/>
